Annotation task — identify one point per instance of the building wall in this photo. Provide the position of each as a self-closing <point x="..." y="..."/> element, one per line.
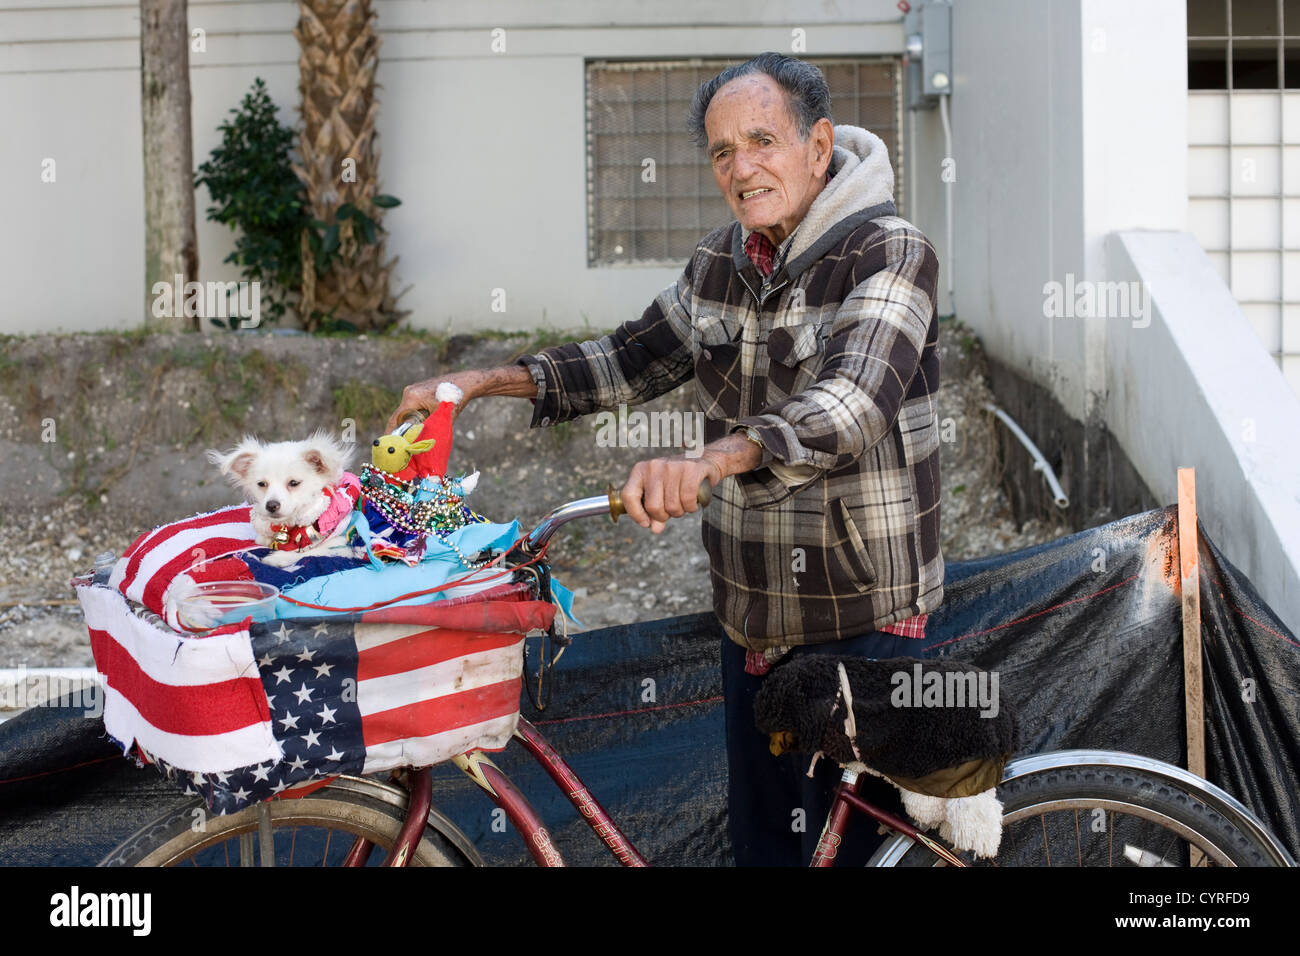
<point x="486" y="150"/>
<point x="1018" y="217"/>
<point x="1217" y="405"/>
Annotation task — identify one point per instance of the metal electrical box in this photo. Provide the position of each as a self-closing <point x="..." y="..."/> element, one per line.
<point x="927" y="29"/>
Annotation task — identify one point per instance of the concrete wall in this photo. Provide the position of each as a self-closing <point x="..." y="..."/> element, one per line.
<point x="486" y="150"/>
<point x="1196" y="388"/>
<point x="1070" y="133"/>
<point x="1068" y="122"/>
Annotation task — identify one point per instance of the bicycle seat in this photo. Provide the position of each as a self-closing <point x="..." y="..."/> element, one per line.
<point x="932" y="727"/>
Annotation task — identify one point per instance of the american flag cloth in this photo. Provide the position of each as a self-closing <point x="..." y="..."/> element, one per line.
<point x="196" y="549"/>
<point x="252" y="710"/>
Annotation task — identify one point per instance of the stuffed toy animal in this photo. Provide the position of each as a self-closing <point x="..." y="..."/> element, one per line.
<point x="393" y="452"/>
<point x="945" y="760"/>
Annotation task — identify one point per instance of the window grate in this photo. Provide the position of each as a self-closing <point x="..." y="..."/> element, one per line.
<point x="650" y="192"/>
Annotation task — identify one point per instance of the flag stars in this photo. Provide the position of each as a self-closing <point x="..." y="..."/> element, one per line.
<point x="289" y="722"/>
<point x="261" y="773"/>
<point x="303" y="693"/>
<point x="282" y="675"/>
<point x="326" y="715"/>
<point x="312" y="738"/>
<point x="282" y="634"/>
<point x="319" y="629"/>
<point x="265" y="661"/>
<point x="305" y="656"/>
<point x="296" y="764"/>
<point x="323" y="670"/>
<point x="335" y="755"/>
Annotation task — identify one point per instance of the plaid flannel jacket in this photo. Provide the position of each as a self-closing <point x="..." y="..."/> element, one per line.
<point x="833" y="360"/>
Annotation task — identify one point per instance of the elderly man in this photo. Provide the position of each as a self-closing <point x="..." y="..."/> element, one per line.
<point x="809" y="327"/>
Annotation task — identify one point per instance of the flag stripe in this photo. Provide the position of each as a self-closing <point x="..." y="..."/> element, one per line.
<point x="218" y="753"/>
<point x="196" y="710"/>
<point x="442" y="713"/>
<point x="167" y="657"/>
<point x="491" y="734"/>
<point x="238" y="516"/>
<point x="464" y="673"/>
<point x="164" y="563"/>
<point x="426" y="648"/>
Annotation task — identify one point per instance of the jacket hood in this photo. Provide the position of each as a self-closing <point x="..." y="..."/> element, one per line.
<point x="861" y="189"/>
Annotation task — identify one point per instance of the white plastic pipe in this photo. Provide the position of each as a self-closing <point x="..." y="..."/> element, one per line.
<point x="947" y="195"/>
<point x="1040" y="463"/>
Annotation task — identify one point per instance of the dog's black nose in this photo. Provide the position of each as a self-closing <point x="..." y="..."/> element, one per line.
<point x="272" y="507"/>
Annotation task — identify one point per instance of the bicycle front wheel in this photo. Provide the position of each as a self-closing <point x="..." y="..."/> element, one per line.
<point x="319" y="829"/>
<point x="1097" y="808"/>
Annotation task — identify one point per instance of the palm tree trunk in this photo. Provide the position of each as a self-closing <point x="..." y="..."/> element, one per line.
<point x="340" y="162"/>
<point x="171" y="246"/>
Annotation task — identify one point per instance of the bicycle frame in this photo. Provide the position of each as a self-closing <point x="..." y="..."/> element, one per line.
<point x="478" y="766"/>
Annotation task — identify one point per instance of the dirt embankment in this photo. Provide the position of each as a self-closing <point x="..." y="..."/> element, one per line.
<point x="102" y="436"/>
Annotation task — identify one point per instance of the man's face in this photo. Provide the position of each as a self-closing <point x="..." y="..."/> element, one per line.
<point x="768" y="175"/>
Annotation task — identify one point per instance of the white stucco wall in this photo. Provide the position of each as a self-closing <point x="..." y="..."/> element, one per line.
<point x="485" y="150"/>
<point x="1196" y="388"/>
<point x="1068" y="123"/>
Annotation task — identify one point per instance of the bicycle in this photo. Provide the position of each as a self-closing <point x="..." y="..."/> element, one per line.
<point x="1167" y="816"/>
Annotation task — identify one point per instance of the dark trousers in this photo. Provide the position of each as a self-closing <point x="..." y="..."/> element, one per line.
<point x="776" y="812"/>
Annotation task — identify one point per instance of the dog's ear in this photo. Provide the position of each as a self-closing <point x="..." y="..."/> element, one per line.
<point x="326" y="456"/>
<point x="236" y="463"/>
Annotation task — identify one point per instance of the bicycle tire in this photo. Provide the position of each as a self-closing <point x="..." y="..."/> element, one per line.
<point x="354" y="806"/>
<point x="1187" y="810"/>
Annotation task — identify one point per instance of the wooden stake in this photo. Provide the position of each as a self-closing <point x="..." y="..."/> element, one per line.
<point x="1193" y="687"/>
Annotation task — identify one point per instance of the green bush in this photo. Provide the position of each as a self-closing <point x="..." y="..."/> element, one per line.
<point x="252" y="183"/>
<point x="256" y="192"/>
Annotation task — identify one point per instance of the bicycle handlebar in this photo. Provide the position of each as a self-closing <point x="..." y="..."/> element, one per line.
<point x="610" y="503"/>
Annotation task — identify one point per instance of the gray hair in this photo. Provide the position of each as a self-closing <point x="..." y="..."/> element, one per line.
<point x="807" y="95"/>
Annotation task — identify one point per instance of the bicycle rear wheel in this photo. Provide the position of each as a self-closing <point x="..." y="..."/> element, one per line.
<point x="316" y="830"/>
<point x="1094" y="808"/>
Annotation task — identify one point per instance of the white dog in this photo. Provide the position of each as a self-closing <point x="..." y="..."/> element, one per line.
<point x="299" y="493"/>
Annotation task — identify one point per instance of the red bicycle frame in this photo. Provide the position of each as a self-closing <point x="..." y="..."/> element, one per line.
<point x="479" y="767"/>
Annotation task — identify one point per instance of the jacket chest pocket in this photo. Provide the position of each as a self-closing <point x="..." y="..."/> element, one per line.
<point x="796" y="353"/>
<point x="718" y="367"/>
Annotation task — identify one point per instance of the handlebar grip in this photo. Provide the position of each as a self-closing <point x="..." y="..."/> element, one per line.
<point x="702" y="497"/>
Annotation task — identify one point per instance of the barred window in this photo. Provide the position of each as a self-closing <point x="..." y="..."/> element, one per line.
<point x="650" y="191"/>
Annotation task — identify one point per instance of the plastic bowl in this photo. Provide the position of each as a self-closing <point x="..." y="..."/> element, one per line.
<point x="217" y="603"/>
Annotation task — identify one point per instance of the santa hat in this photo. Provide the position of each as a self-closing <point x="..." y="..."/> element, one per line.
<point x="438" y="427"/>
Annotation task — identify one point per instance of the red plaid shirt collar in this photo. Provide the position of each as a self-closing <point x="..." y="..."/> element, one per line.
<point x="761" y="252"/>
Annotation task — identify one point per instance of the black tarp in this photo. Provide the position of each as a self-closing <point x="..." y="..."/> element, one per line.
<point x="1085" y="633"/>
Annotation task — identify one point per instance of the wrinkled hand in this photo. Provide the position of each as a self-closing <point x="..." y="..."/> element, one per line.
<point x="663" y="488"/>
<point x="510" y="380"/>
<point x="420" y="396"/>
